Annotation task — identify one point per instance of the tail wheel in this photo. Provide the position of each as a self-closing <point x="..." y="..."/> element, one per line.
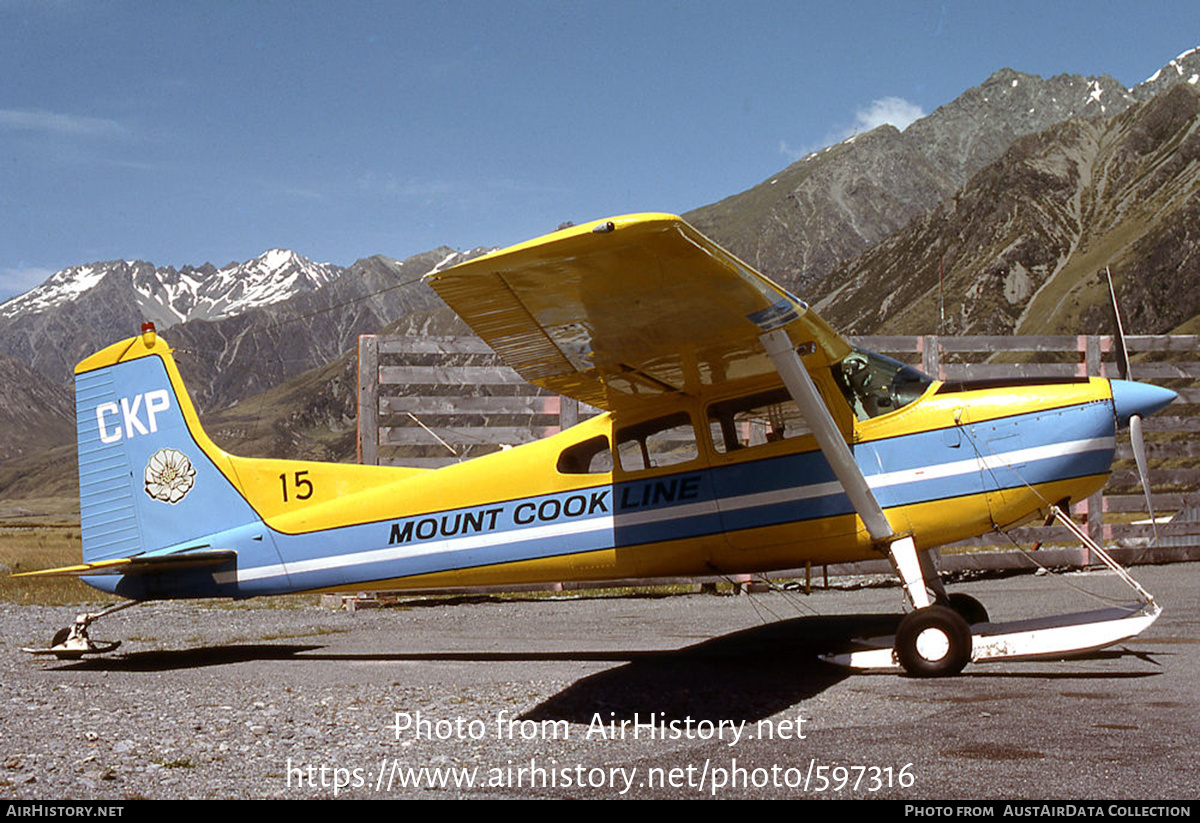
<point x="933" y="642"/>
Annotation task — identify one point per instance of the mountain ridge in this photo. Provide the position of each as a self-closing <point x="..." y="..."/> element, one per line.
<point x="801" y="223"/>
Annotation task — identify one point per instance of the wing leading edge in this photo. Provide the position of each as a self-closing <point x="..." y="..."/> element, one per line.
<point x="635" y="306"/>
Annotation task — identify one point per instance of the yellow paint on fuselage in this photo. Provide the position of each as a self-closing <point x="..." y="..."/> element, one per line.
<point x="933" y="411"/>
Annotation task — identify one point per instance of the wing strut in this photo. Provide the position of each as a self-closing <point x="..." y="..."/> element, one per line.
<point x="901" y="550"/>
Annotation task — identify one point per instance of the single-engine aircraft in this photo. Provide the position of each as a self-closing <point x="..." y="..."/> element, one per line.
<point x="742" y="434"/>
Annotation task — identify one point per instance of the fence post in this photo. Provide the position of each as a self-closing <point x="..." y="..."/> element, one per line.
<point x="568" y="412"/>
<point x="1095" y="518"/>
<point x="368" y="399"/>
<point x="1091" y="354"/>
<point x="931" y="356"/>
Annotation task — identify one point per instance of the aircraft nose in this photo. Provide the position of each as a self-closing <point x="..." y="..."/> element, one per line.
<point x="1130" y="398"/>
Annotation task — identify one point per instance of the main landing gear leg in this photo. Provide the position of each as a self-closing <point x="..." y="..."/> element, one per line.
<point x="970" y="609"/>
<point x="73" y="642"/>
<point x="933" y="640"/>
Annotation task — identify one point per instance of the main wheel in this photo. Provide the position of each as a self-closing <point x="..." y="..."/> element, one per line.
<point x="933" y="642"/>
<point x="971" y="609"/>
<point x="60" y="636"/>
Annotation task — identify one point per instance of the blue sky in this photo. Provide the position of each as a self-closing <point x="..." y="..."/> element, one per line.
<point x="181" y="133"/>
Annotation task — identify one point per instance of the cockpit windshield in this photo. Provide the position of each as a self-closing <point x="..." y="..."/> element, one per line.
<point x="875" y="385"/>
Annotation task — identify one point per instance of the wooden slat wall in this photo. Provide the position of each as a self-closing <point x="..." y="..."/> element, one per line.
<point x="439" y="400"/>
<point x="472" y="404"/>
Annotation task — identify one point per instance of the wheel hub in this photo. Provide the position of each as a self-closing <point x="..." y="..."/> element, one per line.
<point x="933" y="644"/>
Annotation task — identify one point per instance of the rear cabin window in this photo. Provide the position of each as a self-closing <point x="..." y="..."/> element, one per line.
<point x="589" y="457"/>
<point x="664" y="441"/>
<point x="746" y="422"/>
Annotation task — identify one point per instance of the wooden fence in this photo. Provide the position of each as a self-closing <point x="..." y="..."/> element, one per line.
<point x="432" y="401"/>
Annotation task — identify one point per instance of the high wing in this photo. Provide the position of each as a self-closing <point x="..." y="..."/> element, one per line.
<point x="634" y="306"/>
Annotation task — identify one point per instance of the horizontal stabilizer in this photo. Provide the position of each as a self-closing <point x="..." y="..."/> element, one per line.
<point x="154" y="564"/>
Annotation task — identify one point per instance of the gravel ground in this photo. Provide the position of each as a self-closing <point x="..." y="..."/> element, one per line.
<point x="212" y="701"/>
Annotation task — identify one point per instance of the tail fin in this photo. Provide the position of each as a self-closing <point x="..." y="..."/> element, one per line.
<point x="149" y="477"/>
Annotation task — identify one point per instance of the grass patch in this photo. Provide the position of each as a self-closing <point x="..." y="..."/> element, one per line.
<point x="27" y="546"/>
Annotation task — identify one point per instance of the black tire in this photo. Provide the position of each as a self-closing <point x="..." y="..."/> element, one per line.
<point x="59" y="637"/>
<point x="971" y="609"/>
<point x="933" y="642"/>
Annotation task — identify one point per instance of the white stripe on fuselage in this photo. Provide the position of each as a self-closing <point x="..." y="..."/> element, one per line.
<point x="667" y="514"/>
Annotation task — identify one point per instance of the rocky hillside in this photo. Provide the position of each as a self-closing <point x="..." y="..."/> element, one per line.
<point x="1020" y="245"/>
<point x="315" y="414"/>
<point x="37" y="413"/>
<point x="80" y="304"/>
<point x="822" y="210"/>
<point x="240" y="356"/>
<point x="245" y="337"/>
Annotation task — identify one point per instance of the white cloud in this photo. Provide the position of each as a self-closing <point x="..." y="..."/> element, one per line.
<point x="894" y="110"/>
<point x="56" y="123"/>
<point x="19" y="281"/>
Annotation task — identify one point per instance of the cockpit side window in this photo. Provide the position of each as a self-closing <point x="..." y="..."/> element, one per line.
<point x="663" y="441"/>
<point x="746" y="422"/>
<point x="875" y="385"/>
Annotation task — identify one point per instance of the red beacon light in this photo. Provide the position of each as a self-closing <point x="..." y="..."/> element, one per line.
<point x="149" y="335"/>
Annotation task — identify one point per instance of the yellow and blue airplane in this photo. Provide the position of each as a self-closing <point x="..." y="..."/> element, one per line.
<point x="741" y="434"/>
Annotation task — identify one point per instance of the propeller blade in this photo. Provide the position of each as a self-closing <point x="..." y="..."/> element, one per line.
<point x="1139" y="456"/>
<point x="1119" y="337"/>
<point x="1135" y="420"/>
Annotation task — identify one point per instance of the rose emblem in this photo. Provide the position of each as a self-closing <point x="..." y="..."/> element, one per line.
<point x="169" y="475"/>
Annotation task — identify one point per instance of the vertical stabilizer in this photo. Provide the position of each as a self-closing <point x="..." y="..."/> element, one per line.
<point x="149" y="478"/>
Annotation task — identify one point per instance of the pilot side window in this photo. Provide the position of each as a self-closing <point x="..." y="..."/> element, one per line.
<point x="663" y="441"/>
<point x="874" y="384"/>
<point x="745" y="422"/>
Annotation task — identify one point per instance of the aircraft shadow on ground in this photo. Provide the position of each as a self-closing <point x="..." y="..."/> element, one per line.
<point x="747" y="675"/>
<point x="157" y="661"/>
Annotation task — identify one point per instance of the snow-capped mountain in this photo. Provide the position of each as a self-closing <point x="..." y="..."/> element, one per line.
<point x="244" y="326"/>
<point x="1183" y="69"/>
<point x="169" y="296"/>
